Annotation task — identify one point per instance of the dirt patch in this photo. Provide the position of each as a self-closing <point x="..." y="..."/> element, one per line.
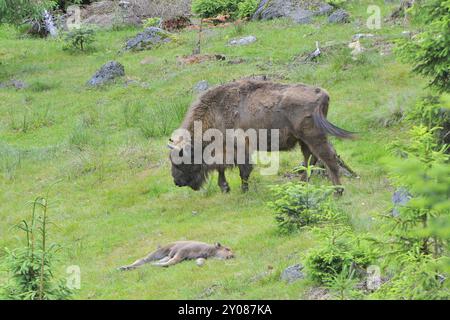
<point x="200" y="58"/>
<point x="318" y="293"/>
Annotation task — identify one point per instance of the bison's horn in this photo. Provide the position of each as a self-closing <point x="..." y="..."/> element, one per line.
<point x="173" y="147"/>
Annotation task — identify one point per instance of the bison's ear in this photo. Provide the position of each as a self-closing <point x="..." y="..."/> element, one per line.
<point x="218" y="245"/>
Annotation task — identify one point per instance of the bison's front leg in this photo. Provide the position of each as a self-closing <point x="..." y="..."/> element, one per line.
<point x="223" y="184"/>
<point x="244" y="172"/>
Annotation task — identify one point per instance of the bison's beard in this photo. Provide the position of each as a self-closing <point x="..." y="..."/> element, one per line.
<point x="189" y="175"/>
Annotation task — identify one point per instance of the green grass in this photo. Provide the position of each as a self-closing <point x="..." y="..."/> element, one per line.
<point x="101" y="154"/>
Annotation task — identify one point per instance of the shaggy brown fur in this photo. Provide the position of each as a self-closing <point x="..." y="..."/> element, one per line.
<point x="182" y="250"/>
<point x="299" y="111"/>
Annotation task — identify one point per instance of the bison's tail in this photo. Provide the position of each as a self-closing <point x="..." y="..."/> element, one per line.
<point x="327" y="127"/>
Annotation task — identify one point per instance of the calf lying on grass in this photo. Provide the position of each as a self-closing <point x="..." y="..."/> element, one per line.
<point x="182" y="250"/>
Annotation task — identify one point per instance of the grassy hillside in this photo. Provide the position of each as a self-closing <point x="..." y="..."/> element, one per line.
<point x="101" y="156"/>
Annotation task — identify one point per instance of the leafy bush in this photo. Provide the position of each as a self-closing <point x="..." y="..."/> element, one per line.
<point x="433" y="111"/>
<point x="419" y="234"/>
<point x="301" y="204"/>
<point x="330" y="260"/>
<point x="16" y="11"/>
<point x="428" y="51"/>
<point x="247" y="8"/>
<point x="415" y="280"/>
<point x="30" y="267"/>
<point x="79" y="38"/>
<point x="342" y="286"/>
<point x="212" y="8"/>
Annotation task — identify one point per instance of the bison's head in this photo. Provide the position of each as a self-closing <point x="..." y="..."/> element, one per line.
<point x="185" y="172"/>
<point x="223" y="252"/>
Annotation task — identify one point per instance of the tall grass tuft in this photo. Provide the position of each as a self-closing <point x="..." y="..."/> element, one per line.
<point x="156" y="120"/>
<point x="10" y="161"/>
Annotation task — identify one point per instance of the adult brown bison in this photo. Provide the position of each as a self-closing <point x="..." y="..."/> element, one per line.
<point x="298" y="111"/>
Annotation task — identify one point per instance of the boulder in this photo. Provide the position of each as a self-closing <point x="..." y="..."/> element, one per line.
<point x="105" y="14"/>
<point x="242" y="41"/>
<point x="108" y="72"/>
<point x="356" y="47"/>
<point x="298" y="11"/>
<point x="16" y="84"/>
<point x="400" y="198"/>
<point x="339" y="16"/>
<point x="201" y="86"/>
<point x="293" y="273"/>
<point x="148" y="39"/>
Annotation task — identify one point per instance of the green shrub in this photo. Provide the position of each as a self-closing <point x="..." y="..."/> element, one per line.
<point x="79" y="38"/>
<point x="342" y="251"/>
<point x="428" y="51"/>
<point x="328" y="261"/>
<point x="16" y="11"/>
<point x="415" y="280"/>
<point x="342" y="286"/>
<point x="212" y="8"/>
<point x="428" y="111"/>
<point x="247" y="8"/>
<point x="433" y="111"/>
<point x="297" y="205"/>
<point x="418" y="245"/>
<point x="30" y="267"/>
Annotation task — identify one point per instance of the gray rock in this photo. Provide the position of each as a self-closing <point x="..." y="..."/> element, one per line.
<point x="293" y="273"/>
<point x="148" y="39"/>
<point x="298" y="11"/>
<point x="201" y="86"/>
<point x="108" y="72"/>
<point x="16" y="84"/>
<point x="400" y="198"/>
<point x="407" y="33"/>
<point x="242" y="41"/>
<point x="339" y="16"/>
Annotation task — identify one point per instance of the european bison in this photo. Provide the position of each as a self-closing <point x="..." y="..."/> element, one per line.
<point x="299" y="112"/>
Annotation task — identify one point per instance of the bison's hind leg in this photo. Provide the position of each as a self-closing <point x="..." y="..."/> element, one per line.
<point x="244" y="171"/>
<point x="320" y="147"/>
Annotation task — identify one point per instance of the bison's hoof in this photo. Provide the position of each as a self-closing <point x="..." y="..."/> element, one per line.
<point x="126" y="268"/>
<point x="244" y="188"/>
<point x="225" y="188"/>
<point x="339" y="192"/>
